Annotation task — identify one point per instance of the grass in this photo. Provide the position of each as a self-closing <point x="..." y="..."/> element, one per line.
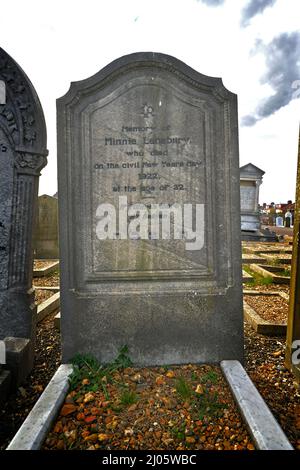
<point x="97" y="375"/>
<point x="211" y="377"/>
<point x="128" y="398"/>
<point x="208" y="405"/>
<point x="183" y="389"/>
<point x="257" y="280"/>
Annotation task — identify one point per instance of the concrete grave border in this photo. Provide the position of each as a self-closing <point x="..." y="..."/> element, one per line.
<point x="254" y="250"/>
<point x="38" y="423"/>
<point x="48" y="306"/>
<point x="272" y="257"/>
<point x="266" y="432"/>
<point x="247" y="277"/>
<point x="255" y="259"/>
<point x="263" y="271"/>
<point x="260" y="325"/>
<point x="263" y="427"/>
<point x="47" y="270"/>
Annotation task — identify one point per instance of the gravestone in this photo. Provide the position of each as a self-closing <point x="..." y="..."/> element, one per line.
<point x="22" y="156"/>
<point x="279" y="222"/>
<point x="251" y="178"/>
<point x="149" y="130"/>
<point x="288" y="219"/>
<point x="46" y="230"/>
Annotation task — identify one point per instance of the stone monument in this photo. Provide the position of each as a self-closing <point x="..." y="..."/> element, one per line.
<point x="251" y="178"/>
<point x="279" y="221"/>
<point x="46" y="230"/>
<point x="149" y="214"/>
<point x="22" y="156"/>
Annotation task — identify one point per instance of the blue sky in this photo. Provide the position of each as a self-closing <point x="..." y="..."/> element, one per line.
<point x="254" y="45"/>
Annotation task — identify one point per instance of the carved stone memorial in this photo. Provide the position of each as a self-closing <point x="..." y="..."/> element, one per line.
<point x="149" y="205"/>
<point x="22" y="156"/>
<point x="46" y="230"/>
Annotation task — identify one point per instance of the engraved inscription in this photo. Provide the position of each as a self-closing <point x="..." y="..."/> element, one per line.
<point x="152" y="156"/>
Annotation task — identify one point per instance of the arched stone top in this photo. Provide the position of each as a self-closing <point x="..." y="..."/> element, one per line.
<point x="21" y="116"/>
<point x="142" y="61"/>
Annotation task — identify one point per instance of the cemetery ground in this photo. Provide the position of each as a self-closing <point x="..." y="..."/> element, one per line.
<point x="172" y="407"/>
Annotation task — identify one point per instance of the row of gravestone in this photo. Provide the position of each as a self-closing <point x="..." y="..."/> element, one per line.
<point x="149" y="212"/>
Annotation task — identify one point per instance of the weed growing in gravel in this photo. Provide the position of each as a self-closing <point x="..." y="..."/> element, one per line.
<point x="183" y="389"/>
<point x="128" y="397"/>
<point x="210" y="376"/>
<point x="88" y="375"/>
<point x="208" y="405"/>
<point x="257" y="279"/>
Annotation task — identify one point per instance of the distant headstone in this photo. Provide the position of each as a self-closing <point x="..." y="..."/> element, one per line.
<point x="288" y="219"/>
<point x="250" y="181"/>
<point x="22" y="156"/>
<point x="279" y="222"/>
<point x="46" y="230"/>
<point x="149" y="206"/>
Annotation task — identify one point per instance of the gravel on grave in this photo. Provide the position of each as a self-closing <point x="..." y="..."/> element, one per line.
<point x="264" y="362"/>
<point x="41" y="264"/>
<point x="47" y="360"/>
<point x="47" y="281"/>
<point x="273" y="309"/>
<point x="42" y="295"/>
<point x="267" y="287"/>
<point x="174" y="408"/>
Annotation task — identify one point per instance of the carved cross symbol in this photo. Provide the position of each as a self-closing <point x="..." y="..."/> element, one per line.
<point x="148" y="110"/>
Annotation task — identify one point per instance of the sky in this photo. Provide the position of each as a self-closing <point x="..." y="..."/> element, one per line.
<point x="253" y="45"/>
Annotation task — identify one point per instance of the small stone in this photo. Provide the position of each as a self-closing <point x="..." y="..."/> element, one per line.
<point x="88" y="397"/>
<point x="68" y="409"/>
<point x="199" y="389"/>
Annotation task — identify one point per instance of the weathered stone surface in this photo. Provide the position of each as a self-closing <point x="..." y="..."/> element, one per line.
<point x="46" y="230"/>
<point x="150" y="128"/>
<point x="18" y="359"/>
<point x="22" y="156"/>
<point x="5" y="378"/>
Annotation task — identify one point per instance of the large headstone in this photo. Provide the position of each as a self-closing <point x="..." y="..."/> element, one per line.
<point x="46" y="230"/>
<point x="146" y="130"/>
<point x="22" y="156"/>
